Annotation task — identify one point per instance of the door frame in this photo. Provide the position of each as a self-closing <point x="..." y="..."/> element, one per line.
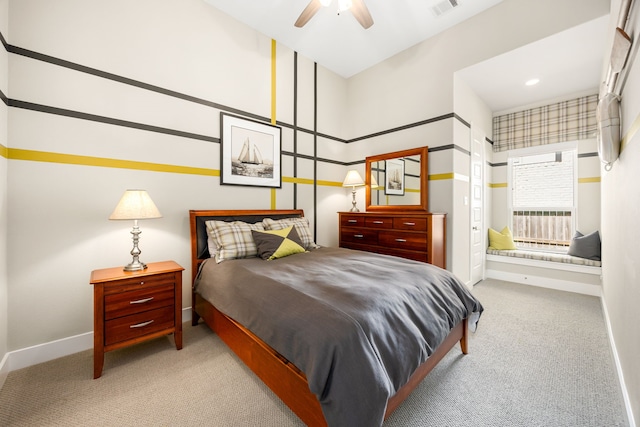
<point x="480" y="134"/>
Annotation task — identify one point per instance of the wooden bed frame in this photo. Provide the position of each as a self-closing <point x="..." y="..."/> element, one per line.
<point x="280" y="375"/>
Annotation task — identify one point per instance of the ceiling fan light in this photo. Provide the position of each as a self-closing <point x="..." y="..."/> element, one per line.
<point x="344" y="5"/>
<point x="325" y="3"/>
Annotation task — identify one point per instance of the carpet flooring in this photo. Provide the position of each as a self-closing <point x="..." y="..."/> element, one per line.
<point x="539" y="358"/>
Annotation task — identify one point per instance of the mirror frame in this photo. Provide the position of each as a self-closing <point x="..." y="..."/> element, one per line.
<point x="423" y="152"/>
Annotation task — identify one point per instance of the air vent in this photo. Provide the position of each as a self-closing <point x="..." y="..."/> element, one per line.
<point x="444" y="7"/>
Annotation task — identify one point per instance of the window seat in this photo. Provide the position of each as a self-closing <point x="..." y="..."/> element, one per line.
<point x="546" y="256"/>
<point x="550" y="270"/>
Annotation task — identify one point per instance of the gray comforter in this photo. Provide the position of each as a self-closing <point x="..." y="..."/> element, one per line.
<point x="356" y="323"/>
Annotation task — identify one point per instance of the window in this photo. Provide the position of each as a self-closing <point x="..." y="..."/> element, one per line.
<point x="542" y="200"/>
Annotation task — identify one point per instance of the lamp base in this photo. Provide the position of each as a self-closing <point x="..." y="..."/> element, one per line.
<point x="353" y="202"/>
<point x="135" y="266"/>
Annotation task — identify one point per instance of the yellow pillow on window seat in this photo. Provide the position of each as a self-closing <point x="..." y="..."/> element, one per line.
<point x="501" y="241"/>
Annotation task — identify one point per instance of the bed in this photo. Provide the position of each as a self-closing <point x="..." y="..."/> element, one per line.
<point x="333" y="366"/>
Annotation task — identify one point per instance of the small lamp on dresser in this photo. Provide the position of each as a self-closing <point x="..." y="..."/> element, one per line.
<point x="353" y="180"/>
<point x="135" y="205"/>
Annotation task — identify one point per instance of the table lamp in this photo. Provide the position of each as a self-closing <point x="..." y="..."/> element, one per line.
<point x="135" y="205"/>
<point x="353" y="180"/>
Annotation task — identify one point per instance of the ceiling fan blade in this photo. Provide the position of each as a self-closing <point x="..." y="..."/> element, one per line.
<point x="361" y="13"/>
<point x="308" y="13"/>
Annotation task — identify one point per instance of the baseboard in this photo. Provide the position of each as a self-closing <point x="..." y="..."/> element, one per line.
<point x="4" y="369"/>
<point x="616" y="359"/>
<point x="545" y="282"/>
<point x="40" y="353"/>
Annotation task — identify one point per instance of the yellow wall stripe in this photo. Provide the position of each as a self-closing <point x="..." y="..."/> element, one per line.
<point x="72" y="159"/>
<point x="588" y="180"/>
<point x="635" y="127"/>
<point x="441" y="176"/>
<point x="273" y="82"/>
<point x="273" y="104"/>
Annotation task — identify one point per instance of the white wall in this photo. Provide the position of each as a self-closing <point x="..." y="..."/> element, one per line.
<point x="67" y="173"/>
<point x="4" y="87"/>
<point x="620" y="230"/>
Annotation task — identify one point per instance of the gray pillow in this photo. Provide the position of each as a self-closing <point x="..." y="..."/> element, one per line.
<point x="586" y="246"/>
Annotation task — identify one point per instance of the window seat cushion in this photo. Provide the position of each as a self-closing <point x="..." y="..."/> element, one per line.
<point x="545" y="256"/>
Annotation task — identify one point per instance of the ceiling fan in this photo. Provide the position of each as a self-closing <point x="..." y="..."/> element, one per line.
<point x="357" y="7"/>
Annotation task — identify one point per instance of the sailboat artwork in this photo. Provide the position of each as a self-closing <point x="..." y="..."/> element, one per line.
<point x="250" y="152"/>
<point x="394" y="177"/>
<point x="395" y="181"/>
<point x="251" y="162"/>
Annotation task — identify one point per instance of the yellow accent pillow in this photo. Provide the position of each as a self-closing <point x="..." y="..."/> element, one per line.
<point x="276" y="244"/>
<point x="502" y="240"/>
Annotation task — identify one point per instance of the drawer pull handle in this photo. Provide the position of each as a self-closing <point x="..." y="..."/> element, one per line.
<point x="142" y="283"/>
<point x="358" y="236"/>
<point x="378" y="222"/>
<point x="411" y="224"/>
<point x="353" y="220"/>
<point x="401" y="240"/>
<point x="141" y="325"/>
<point x="141" y="301"/>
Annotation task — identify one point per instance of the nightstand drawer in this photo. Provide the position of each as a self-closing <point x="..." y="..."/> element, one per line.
<point x="145" y="299"/>
<point x="359" y="235"/>
<point x="400" y="240"/>
<point x="132" y="284"/>
<point x="137" y="325"/>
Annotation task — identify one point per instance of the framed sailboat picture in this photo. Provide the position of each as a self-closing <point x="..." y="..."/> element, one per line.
<point x="250" y="152"/>
<point x="394" y="177"/>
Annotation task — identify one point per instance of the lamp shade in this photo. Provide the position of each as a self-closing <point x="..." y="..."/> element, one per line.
<point x="135" y="204"/>
<point x="374" y="182"/>
<point x="353" y="179"/>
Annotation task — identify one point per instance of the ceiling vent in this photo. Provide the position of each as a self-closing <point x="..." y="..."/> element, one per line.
<point x="444" y="6"/>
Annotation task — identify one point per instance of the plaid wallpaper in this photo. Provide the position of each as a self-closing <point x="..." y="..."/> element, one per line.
<point x="565" y="121"/>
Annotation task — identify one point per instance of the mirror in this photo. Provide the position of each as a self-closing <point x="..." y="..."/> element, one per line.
<point x="397" y="181"/>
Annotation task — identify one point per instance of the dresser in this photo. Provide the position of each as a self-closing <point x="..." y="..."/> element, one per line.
<point x="134" y="306"/>
<point x="418" y="236"/>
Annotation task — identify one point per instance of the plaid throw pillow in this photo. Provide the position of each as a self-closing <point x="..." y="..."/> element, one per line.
<point x="233" y="239"/>
<point x="301" y="225"/>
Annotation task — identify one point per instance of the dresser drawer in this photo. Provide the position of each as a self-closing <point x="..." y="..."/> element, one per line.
<point x="408" y="223"/>
<point x="352" y="220"/>
<point x="403" y="240"/>
<point x="137" y="325"/>
<point x="145" y="299"/>
<point x="359" y="235"/>
<point x="378" y="222"/>
<point x="125" y="285"/>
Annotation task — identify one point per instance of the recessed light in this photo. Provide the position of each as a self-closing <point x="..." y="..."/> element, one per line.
<point x="532" y="82"/>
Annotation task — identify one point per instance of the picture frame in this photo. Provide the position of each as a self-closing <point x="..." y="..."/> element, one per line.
<point x="394" y="177"/>
<point x="250" y="152"/>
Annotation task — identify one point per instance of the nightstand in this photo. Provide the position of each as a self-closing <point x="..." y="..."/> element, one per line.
<point x="134" y="306"/>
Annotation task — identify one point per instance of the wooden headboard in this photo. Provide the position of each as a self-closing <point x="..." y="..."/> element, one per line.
<point x="197" y="219"/>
